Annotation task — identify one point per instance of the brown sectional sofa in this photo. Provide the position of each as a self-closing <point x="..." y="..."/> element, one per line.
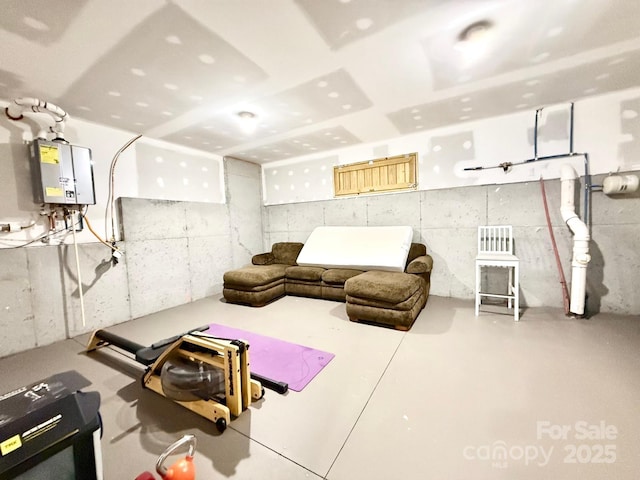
<point x="382" y="297"/>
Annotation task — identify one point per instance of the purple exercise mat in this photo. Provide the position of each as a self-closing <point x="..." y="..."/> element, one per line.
<point x="277" y="359"/>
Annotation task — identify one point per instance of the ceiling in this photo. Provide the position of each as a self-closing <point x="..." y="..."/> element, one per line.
<point x="317" y="74"/>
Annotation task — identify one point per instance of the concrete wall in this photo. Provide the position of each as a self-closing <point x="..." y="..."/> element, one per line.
<point x="446" y="221"/>
<point x="243" y="182"/>
<point x="40" y="297"/>
<point x="175" y="253"/>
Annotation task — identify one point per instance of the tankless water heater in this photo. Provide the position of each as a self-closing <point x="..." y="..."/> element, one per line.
<point x="62" y="173"/>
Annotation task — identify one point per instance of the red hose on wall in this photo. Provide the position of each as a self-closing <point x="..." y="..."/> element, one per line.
<point x="563" y="281"/>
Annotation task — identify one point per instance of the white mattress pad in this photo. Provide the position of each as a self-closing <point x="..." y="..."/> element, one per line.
<point x="361" y="248"/>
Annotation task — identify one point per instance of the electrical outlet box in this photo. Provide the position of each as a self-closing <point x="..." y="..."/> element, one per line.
<point x="62" y="173"/>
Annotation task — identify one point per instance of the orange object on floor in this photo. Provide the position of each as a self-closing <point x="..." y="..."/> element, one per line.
<point x="180" y="470"/>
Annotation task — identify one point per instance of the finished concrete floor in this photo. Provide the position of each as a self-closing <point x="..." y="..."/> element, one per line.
<point x="456" y="397"/>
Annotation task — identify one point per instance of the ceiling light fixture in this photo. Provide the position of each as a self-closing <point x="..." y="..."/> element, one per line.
<point x="475" y="32"/>
<point x="473" y="42"/>
<point x="248" y="121"/>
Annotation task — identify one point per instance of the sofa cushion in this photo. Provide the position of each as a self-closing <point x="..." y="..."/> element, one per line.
<point x="416" y="250"/>
<point x="389" y="287"/>
<point x="422" y="264"/>
<point x="337" y="276"/>
<point x="254" y="298"/>
<point x="286" y="252"/>
<point x="311" y="274"/>
<point x="254" y="275"/>
<point x="263" y="259"/>
<point x="403" y="305"/>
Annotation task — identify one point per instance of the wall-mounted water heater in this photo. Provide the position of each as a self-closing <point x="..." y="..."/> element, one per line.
<point x="62" y="173"/>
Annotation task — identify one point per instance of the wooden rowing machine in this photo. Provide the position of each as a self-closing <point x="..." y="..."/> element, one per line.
<point x="210" y="377"/>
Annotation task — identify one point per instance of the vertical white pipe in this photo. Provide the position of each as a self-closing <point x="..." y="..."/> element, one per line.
<point x="581" y="239"/>
<point x="75" y="247"/>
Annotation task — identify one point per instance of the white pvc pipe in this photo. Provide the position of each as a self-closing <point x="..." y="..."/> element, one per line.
<point x="19" y="105"/>
<point x="581" y="239"/>
<point x="75" y="248"/>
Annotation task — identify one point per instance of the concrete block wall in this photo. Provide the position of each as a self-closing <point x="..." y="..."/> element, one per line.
<point x="40" y="296"/>
<point x="166" y="242"/>
<point x="175" y="252"/>
<point x="446" y="221"/>
<point x="243" y="182"/>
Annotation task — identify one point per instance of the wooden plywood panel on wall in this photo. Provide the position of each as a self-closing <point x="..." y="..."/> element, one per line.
<point x="380" y="175"/>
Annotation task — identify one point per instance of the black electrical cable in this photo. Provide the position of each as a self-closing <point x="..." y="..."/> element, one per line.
<point x="41" y="237"/>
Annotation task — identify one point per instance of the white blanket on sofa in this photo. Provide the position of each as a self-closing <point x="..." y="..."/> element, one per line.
<point x="361" y="248"/>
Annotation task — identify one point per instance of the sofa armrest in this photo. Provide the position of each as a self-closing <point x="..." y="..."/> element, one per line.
<point x="421" y="264"/>
<point x="263" y="259"/>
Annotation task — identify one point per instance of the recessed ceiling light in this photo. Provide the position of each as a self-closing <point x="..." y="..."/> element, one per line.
<point x="35" y="24"/>
<point x="364" y="23"/>
<point x="207" y="59"/>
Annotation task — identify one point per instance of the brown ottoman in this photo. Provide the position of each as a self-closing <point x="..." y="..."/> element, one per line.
<point x="254" y="285"/>
<point x="389" y="298"/>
